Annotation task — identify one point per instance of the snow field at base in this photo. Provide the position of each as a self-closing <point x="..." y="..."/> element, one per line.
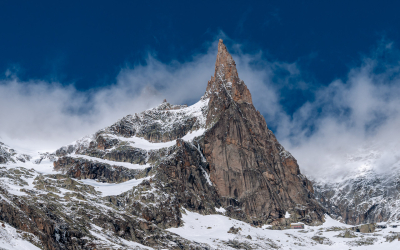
<point x="108" y="189"/>
<point x="10" y="239"/>
<point x="213" y="230"/>
<point x="13" y="188"/>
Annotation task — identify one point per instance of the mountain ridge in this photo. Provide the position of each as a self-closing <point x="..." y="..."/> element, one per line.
<point x="214" y="157"/>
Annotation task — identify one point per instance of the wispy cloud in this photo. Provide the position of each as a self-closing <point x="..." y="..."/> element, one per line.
<point x="352" y="124"/>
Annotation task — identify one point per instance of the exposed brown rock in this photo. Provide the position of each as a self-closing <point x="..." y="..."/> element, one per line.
<point x="226" y="76"/>
<point x="366" y="228"/>
<point x="248" y="166"/>
<point x="185" y="175"/>
<point x="105" y="143"/>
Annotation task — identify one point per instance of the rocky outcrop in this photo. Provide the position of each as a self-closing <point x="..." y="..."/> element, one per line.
<point x="9" y="155"/>
<point x="180" y="181"/>
<point x="84" y="169"/>
<point x="105" y="143"/>
<point x="6" y="154"/>
<point x="366" y="228"/>
<point x="164" y="123"/>
<point x="44" y="224"/>
<point x="127" y="154"/>
<point x="186" y="175"/>
<point x="250" y="169"/>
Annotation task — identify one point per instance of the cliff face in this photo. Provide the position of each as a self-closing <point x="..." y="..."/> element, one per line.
<point x="248" y="166"/>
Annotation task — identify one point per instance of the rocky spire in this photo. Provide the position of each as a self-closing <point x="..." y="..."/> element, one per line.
<point x="225" y="66"/>
<point x="256" y="178"/>
<point x="227" y="78"/>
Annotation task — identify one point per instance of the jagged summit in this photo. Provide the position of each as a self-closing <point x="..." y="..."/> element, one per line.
<point x="225" y="65"/>
<point x="226" y="78"/>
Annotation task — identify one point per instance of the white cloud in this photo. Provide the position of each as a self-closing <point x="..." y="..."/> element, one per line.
<point x="354" y="124"/>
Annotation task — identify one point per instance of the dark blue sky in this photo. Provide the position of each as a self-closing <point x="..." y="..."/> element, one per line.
<point x="87" y="42"/>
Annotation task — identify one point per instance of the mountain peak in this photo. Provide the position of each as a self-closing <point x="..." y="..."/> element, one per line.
<point x="226" y="78"/>
<point x="225" y="66"/>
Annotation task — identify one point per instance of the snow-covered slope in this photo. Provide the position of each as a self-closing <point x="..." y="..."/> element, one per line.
<point x="216" y="230"/>
<point x="13" y="239"/>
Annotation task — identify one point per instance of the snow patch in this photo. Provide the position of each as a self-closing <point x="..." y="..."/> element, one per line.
<point x="10" y="239"/>
<point x="138" y="142"/>
<point x="109" y="189"/>
<point x="221" y="210"/>
<point x="113" y="163"/>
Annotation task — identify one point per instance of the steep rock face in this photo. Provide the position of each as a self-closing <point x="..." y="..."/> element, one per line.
<point x="248" y="166"/>
<point x="187" y="176"/>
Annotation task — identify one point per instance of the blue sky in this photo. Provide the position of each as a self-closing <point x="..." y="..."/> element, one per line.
<point x="316" y="69"/>
<point x="87" y="43"/>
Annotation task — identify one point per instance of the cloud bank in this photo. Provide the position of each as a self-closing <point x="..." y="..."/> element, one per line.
<point x="345" y="125"/>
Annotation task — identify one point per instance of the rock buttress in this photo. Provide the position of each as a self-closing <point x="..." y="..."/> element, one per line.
<point x="258" y="180"/>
